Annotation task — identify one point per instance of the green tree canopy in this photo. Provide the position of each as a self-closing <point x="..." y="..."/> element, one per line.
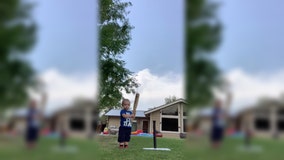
<point x="203" y="34"/>
<point x="170" y="99"/>
<point x="17" y="36"/>
<point x="114" y="28"/>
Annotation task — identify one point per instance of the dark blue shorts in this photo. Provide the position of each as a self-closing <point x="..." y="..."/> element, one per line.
<point x="32" y="134"/>
<point x="124" y="134"/>
<point x="217" y="134"/>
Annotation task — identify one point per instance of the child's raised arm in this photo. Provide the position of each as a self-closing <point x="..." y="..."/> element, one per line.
<point x="127" y="115"/>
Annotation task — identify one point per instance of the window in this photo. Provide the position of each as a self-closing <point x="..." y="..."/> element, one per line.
<point x="170" y="124"/>
<point x="262" y="124"/>
<point x="261" y="121"/>
<point x="280" y="119"/>
<point x="280" y="112"/>
<point x="170" y="118"/>
<point x="280" y="125"/>
<point x="77" y="124"/>
<point x="173" y="111"/>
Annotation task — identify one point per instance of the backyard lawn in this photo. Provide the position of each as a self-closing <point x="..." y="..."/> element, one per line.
<point x="13" y="149"/>
<point x="105" y="147"/>
<point x="233" y="149"/>
<point x="135" y="151"/>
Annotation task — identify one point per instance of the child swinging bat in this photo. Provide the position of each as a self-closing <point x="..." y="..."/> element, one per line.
<point x="125" y="122"/>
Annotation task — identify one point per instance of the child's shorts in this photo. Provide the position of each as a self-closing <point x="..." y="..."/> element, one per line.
<point x="124" y="134"/>
<point x="217" y="134"/>
<point x="31" y="134"/>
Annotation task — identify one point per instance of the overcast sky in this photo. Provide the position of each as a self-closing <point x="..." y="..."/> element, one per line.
<point x="250" y="54"/>
<point x="67" y="36"/>
<point x="65" y="55"/>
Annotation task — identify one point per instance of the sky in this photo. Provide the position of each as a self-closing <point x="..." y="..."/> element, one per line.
<point x="156" y="50"/>
<point x="66" y="36"/>
<point x="249" y="54"/>
<point x="252" y="35"/>
<point x="65" y="55"/>
<point x="157" y="39"/>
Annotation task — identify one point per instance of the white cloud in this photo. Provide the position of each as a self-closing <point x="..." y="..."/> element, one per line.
<point x="248" y="88"/>
<point x="154" y="88"/>
<point x="62" y="89"/>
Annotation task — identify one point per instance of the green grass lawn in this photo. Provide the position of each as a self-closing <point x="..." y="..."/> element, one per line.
<point x="233" y="149"/>
<point x="105" y="147"/>
<point x="13" y="149"/>
<point x="135" y="151"/>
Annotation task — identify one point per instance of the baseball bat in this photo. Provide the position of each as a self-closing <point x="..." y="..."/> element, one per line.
<point x="135" y="104"/>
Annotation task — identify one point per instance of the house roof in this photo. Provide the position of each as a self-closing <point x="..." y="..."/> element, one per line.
<point x="23" y="112"/>
<point x="116" y="112"/>
<point x="208" y="111"/>
<point x="266" y="103"/>
<point x="81" y="105"/>
<point x="165" y="105"/>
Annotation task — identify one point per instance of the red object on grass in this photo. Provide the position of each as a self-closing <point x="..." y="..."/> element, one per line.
<point x="139" y="131"/>
<point x="45" y="131"/>
<point x="158" y="134"/>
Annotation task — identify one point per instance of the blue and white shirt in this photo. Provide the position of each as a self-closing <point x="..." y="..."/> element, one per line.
<point x="125" y="122"/>
<point x="32" y="118"/>
<point x="218" y="118"/>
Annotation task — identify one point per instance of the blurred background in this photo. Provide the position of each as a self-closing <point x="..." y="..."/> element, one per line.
<point x="79" y="59"/>
<point x="233" y="54"/>
<point x="49" y="56"/>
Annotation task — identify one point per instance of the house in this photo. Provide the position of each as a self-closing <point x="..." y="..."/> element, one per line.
<point x="170" y="118"/>
<point x="202" y="119"/>
<point x="141" y="122"/>
<point x="17" y="120"/>
<point x="265" y="119"/>
<point x="78" y="120"/>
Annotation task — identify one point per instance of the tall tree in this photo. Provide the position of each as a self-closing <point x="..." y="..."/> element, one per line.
<point x="115" y="36"/>
<point x="203" y="34"/>
<point x="170" y="99"/>
<point x="17" y="35"/>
